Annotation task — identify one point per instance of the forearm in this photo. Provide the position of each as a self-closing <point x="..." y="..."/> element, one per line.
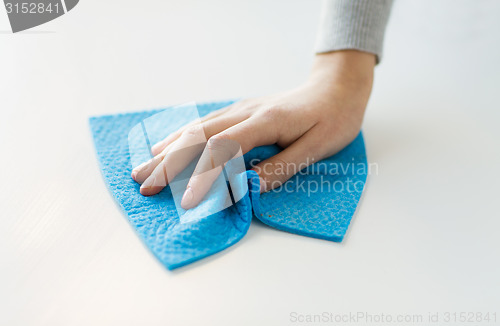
<point x="353" y="24"/>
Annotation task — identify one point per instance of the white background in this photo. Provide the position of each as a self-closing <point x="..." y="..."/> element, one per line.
<point x="424" y="239"/>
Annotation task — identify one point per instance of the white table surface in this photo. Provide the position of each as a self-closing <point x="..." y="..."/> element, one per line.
<point x="425" y="236"/>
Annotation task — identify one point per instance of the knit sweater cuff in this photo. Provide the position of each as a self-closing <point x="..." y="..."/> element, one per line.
<point x="353" y="24"/>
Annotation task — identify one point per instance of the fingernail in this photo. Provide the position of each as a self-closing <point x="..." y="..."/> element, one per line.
<point x="148" y="183"/>
<point x="187" y="198"/>
<point x="134" y="174"/>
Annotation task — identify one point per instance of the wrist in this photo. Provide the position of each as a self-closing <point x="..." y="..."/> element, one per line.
<point x="349" y="69"/>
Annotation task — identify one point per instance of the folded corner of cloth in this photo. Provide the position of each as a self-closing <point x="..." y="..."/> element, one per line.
<point x="319" y="201"/>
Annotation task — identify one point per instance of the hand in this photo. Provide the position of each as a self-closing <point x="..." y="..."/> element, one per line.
<point x="311" y="122"/>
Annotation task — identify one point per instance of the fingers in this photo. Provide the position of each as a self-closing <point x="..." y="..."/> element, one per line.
<point x="202" y="184"/>
<point x="143" y="171"/>
<point x="159" y="150"/>
<point x="277" y="169"/>
<point x="161" y="145"/>
<point x="213" y="159"/>
<point x="179" y="154"/>
<point x="182" y="153"/>
<point x="221" y="148"/>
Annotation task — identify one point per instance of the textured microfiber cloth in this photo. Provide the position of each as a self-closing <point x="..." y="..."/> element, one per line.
<point x="319" y="201"/>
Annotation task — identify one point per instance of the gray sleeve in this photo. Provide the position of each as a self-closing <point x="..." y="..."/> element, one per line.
<point x="353" y="24"/>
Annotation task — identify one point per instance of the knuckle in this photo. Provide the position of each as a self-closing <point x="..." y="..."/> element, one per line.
<point x="216" y="141"/>
<point x="245" y="108"/>
<point x="223" y="146"/>
<point x="271" y="113"/>
<point x="218" y="137"/>
<point x="194" y="130"/>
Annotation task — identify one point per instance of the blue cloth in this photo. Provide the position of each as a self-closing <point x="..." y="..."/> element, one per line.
<point x="318" y="202"/>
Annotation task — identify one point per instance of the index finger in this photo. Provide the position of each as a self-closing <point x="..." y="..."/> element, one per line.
<point x="229" y="144"/>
